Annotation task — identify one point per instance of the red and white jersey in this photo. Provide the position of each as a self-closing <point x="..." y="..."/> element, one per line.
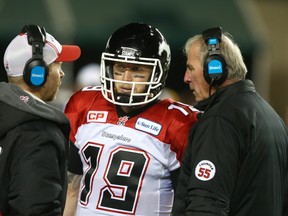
<point x="127" y="160"/>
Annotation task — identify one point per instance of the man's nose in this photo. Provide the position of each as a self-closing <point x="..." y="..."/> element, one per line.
<point x="127" y="75"/>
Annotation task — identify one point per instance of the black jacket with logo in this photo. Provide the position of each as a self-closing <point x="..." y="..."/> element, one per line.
<point x="236" y="161"/>
<point x="33" y="155"/>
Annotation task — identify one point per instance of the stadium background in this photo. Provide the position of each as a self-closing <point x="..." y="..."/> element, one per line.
<point x="259" y="27"/>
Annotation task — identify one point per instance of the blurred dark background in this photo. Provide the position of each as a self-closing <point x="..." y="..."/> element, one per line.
<point x="259" y="27"/>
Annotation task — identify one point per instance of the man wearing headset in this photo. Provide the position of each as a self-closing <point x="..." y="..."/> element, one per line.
<point x="33" y="134"/>
<point x="236" y="160"/>
<point x="128" y="144"/>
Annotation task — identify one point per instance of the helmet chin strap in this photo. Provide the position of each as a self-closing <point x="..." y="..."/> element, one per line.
<point x="124" y="98"/>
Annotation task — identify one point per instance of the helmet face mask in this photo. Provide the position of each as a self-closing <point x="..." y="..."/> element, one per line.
<point x="140" y="44"/>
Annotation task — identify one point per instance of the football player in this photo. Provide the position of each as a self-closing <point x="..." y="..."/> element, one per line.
<point x="127" y="143"/>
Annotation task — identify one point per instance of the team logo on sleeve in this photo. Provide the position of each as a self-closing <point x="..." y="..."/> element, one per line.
<point x="205" y="170"/>
<point x="97" y="116"/>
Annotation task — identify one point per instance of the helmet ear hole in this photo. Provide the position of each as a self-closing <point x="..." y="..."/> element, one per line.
<point x="109" y="69"/>
<point x="136" y="43"/>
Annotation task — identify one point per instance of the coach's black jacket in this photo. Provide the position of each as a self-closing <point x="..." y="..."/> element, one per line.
<point x="33" y="146"/>
<point x="236" y="161"/>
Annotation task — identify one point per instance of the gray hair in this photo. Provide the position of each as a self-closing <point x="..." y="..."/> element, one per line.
<point x="230" y="51"/>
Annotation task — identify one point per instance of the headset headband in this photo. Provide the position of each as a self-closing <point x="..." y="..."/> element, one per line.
<point x="36" y="37"/>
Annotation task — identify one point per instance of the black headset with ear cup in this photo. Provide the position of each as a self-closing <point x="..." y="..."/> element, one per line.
<point x="36" y="70"/>
<point x="215" y="66"/>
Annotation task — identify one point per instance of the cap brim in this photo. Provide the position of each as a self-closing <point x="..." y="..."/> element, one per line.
<point x="69" y="53"/>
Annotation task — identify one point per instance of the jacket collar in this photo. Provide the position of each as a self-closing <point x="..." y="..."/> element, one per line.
<point x="222" y="93"/>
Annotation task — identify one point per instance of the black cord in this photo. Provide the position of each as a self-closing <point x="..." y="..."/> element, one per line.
<point x="211" y="99"/>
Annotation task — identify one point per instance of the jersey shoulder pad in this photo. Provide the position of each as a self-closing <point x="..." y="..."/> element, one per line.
<point x="175" y="107"/>
<point x="83" y="97"/>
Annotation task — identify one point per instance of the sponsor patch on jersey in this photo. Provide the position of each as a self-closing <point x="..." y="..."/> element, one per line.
<point x="115" y="137"/>
<point x="97" y="116"/>
<point x="148" y="126"/>
<point x="205" y="170"/>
